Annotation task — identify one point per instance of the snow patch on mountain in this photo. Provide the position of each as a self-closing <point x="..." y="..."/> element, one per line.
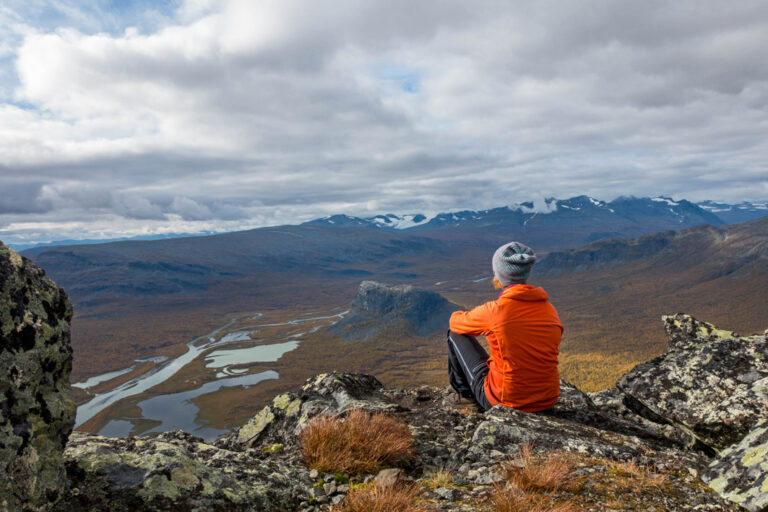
<point x="662" y="199"/>
<point x="393" y="221"/>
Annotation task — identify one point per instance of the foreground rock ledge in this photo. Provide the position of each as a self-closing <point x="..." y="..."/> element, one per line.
<point x="257" y="467"/>
<point x="37" y="410"/>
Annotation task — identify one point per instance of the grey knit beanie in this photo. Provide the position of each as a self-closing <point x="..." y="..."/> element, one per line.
<point x="512" y="263"/>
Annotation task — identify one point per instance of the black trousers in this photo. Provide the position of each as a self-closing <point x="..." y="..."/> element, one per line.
<point x="468" y="367"/>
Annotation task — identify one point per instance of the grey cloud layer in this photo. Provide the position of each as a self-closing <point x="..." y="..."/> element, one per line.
<point x="244" y="113"/>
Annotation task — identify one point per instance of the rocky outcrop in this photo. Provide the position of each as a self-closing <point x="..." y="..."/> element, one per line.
<point x="711" y="385"/>
<point x="37" y="410"/>
<point x="258" y="467"/>
<point x="378" y="306"/>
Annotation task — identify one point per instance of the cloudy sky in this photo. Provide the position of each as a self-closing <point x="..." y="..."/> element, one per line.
<point x="126" y="117"/>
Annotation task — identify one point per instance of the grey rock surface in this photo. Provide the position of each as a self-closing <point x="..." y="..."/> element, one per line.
<point x="506" y="430"/>
<point x="37" y="410"/>
<point x="740" y="472"/>
<point x="710" y="384"/>
<point x="176" y="471"/>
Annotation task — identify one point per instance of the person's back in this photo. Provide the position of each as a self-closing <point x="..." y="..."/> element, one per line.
<point x="523" y="332"/>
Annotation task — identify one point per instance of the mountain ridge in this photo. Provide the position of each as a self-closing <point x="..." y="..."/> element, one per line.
<point x="621" y="206"/>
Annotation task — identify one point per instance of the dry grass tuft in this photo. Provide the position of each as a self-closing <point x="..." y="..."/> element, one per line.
<point x="374" y="498"/>
<point x="552" y="473"/>
<point x="439" y="478"/>
<point x="507" y="498"/>
<point x="531" y="477"/>
<point x="361" y="443"/>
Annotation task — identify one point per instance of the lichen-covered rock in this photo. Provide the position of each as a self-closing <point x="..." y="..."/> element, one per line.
<point x="740" y="472"/>
<point x="506" y="430"/>
<point x="175" y="471"/>
<point x="611" y="402"/>
<point x="710" y="384"/>
<point x="37" y="410"/>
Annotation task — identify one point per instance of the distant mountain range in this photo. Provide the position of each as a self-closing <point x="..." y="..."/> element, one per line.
<point x="558" y="224"/>
<point x="625" y="216"/>
<point x="733" y="213"/>
<point x="405" y="248"/>
<point x="661" y="209"/>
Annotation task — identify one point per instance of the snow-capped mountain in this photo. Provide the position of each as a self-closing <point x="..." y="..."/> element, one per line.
<point x="393" y="221"/>
<point x="560" y="222"/>
<point x="732" y="213"/>
<point x="676" y="214"/>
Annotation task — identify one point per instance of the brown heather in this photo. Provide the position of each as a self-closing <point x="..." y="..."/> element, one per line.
<point x="360" y="443"/>
<point x="509" y="499"/>
<point x="532" y="476"/>
<point x="375" y="498"/>
<point x="538" y="473"/>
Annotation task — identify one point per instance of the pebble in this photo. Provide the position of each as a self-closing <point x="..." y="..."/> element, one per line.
<point x="389" y="477"/>
<point x="447" y="494"/>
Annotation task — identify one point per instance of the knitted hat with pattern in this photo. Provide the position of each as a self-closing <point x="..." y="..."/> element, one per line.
<point x="512" y="263"/>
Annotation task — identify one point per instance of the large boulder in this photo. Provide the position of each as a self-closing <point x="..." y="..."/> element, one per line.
<point x="176" y="471"/>
<point x="37" y="410"/>
<point x="711" y="384"/>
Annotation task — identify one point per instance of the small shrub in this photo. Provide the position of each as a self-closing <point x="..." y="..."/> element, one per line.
<point x="361" y="443"/>
<point x="375" y="498"/>
<point x="552" y="473"/>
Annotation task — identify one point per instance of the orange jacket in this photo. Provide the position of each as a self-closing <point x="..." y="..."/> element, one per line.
<point x="523" y="332"/>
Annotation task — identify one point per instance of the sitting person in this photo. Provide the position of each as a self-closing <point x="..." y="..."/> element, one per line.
<point x="523" y="332"/>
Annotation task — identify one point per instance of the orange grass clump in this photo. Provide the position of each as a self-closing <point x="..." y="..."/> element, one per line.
<point x="509" y="499"/>
<point x="553" y="473"/>
<point x="361" y="443"/>
<point x="375" y="498"/>
<point x="521" y="493"/>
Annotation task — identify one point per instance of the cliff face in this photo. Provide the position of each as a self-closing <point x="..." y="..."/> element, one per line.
<point x="695" y="415"/>
<point x="37" y="411"/>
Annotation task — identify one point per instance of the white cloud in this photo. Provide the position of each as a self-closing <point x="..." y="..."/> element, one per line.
<point x="274" y="111"/>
